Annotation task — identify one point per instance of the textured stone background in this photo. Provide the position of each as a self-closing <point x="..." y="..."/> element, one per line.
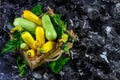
<point x="96" y="52"/>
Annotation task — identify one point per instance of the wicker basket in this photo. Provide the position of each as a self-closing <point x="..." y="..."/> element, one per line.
<point x="47" y="57"/>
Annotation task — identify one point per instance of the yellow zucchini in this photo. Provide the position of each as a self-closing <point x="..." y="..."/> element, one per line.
<point x="40" y="36"/>
<point x="32" y="17"/>
<point x="16" y="28"/>
<point x="28" y="39"/>
<point x="30" y="53"/>
<point x="49" y="45"/>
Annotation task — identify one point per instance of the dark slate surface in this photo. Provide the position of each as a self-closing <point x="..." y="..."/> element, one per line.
<point x="96" y="52"/>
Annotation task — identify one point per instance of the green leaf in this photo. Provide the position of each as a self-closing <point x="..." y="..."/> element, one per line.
<point x="70" y="39"/>
<point x="22" y="73"/>
<point x="65" y="47"/>
<point x="59" y="25"/>
<point x="37" y="10"/>
<point x="56" y="66"/>
<point x="12" y="44"/>
<point x="21" y="63"/>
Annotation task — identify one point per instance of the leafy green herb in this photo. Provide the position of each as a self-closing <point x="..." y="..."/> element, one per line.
<point x="37" y="10"/>
<point x="56" y="66"/>
<point x="13" y="43"/>
<point x="59" y="25"/>
<point x="70" y="39"/>
<point x="65" y="47"/>
<point x="21" y="63"/>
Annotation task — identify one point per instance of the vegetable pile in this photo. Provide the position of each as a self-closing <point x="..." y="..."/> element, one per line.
<point x="41" y="38"/>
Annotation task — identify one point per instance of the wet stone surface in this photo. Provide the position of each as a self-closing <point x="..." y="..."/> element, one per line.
<point x="96" y="51"/>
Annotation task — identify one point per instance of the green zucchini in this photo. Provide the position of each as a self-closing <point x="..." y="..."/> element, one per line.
<point x="24" y="46"/>
<point x="25" y="24"/>
<point x="50" y="32"/>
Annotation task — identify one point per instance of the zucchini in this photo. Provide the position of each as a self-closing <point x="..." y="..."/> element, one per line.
<point x="25" y="24"/>
<point x="40" y="36"/>
<point x="28" y="39"/>
<point x="50" y="32"/>
<point x="31" y="17"/>
<point x="49" y="45"/>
